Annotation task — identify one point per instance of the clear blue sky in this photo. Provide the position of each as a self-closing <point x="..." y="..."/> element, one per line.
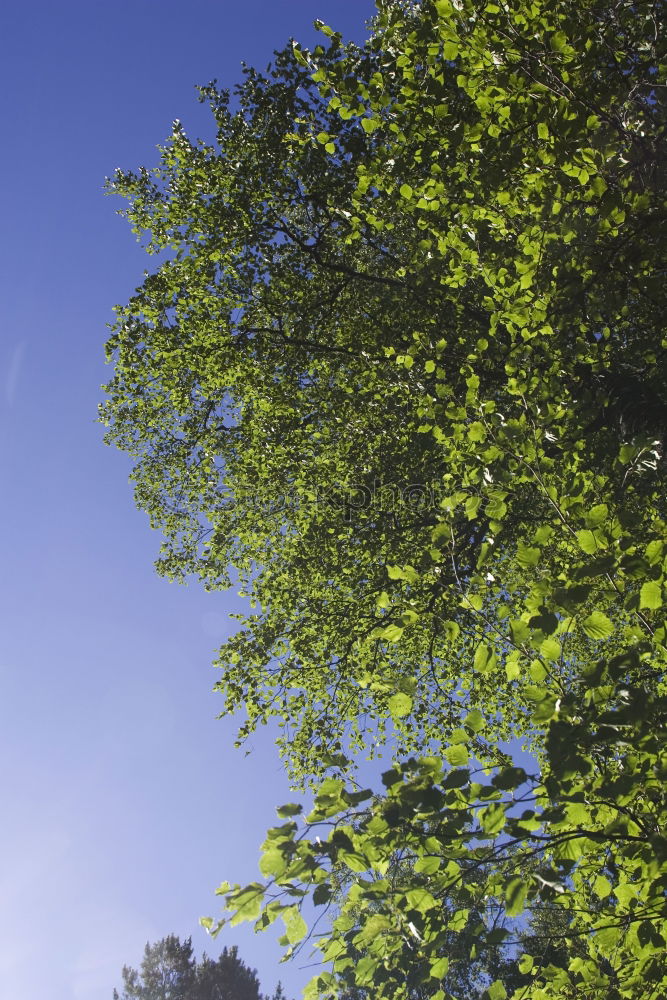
<point x="124" y="800"/>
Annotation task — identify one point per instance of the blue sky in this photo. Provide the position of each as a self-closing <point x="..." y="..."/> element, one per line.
<point x="124" y="800"/>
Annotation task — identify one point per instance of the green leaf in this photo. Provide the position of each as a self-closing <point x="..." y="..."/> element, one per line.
<point x="550" y="649"/>
<point x="485" y="659"/>
<point x="589" y="541"/>
<point x="439" y="967"/>
<point x="520" y="631"/>
<point x="512" y="665"/>
<point x="544" y="701"/>
<point x="474" y="720"/>
<point x="457" y="755"/>
<point x="408" y="573"/>
<point x="420" y="899"/>
<point x="324" y="28"/>
<point x="537" y="671"/>
<point x="458" y="920"/>
<point x="298" y="55"/>
<point x="295" y="926"/>
<point x="291" y="809"/>
<point x="515" y="896"/>
<point x="546" y="622"/>
<point x="655" y="551"/>
<point x="568" y="850"/>
<point x="492" y="819"/>
<point x="272" y="863"/>
<point x="650" y="595"/>
<point x="406" y="192"/>
<point x="597" y="515"/>
<point x="573" y="596"/>
<point x="246" y="903"/>
<point x="355" y="862"/>
<point x="328" y="787"/>
<point x="400" y="705"/>
<point x="601" y="886"/>
<point x="543" y="534"/>
<point x="597" y="626"/>
<point x="427" y="866"/>
<point x="558" y="43"/>
<point x="458" y="735"/>
<point x="392" y="632"/>
<point x="510" y="777"/>
<point x="528" y="555"/>
<point x="321" y="894"/>
<point x="476" y="432"/>
<point x="472" y="506"/>
<point x="452" y="630"/>
<point x="457" y="778"/>
<point x="496" y="508"/>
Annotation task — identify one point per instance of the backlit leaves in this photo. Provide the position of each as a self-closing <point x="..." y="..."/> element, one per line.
<point x="650" y="595"/>
<point x="597" y="625"/>
<point x="400" y="374"/>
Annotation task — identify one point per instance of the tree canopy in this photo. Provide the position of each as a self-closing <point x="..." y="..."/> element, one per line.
<point x="169" y="971"/>
<point x="400" y="371"/>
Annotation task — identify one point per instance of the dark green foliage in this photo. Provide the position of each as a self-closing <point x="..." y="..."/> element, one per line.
<point x="167" y="972"/>
<point x="170" y="972"/>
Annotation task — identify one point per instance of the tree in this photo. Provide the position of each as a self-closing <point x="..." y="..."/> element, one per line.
<point x="430" y="268"/>
<point x="167" y="972"/>
<point x="170" y="972"/>
<point x="285" y="386"/>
